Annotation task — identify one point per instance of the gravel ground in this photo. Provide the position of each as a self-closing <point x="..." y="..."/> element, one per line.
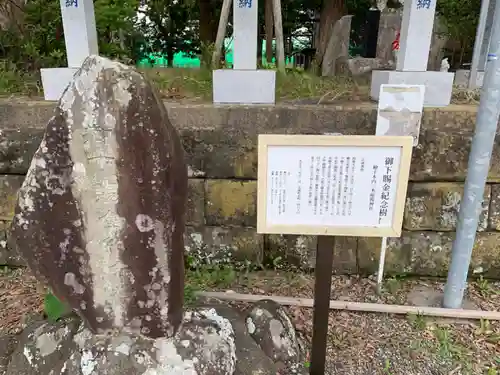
<point x="20" y="297"/>
<point x="372" y="343"/>
<point x="359" y="343"/>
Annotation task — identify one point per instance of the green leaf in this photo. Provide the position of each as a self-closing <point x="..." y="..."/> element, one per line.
<point x="54" y="308"/>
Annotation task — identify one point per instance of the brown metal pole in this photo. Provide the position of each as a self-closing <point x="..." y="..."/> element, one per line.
<point x="322" y="288"/>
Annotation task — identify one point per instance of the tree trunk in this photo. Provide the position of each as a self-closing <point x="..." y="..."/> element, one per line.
<point x="170" y="58"/>
<point x="208" y="30"/>
<point x="269" y="31"/>
<point x="12" y="15"/>
<point x="331" y="12"/>
<point x="208" y="21"/>
<point x="221" y="32"/>
<point x="278" y="30"/>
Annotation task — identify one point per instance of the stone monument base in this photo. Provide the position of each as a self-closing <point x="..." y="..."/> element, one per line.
<point x="438" y="85"/>
<point x="462" y="78"/>
<point x="214" y="339"/>
<point x="231" y="86"/>
<point x="55" y="81"/>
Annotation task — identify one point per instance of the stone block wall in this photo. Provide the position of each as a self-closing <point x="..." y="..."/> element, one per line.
<point x="221" y="151"/>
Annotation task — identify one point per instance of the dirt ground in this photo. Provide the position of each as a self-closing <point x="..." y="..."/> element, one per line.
<point x="370" y="343"/>
<point x="359" y="343"/>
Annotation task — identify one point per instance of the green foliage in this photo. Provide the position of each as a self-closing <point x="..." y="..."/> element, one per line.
<point x="36" y="43"/>
<point x="387" y="367"/>
<point x="14" y="80"/>
<point x="170" y="28"/>
<point x="460" y="18"/>
<point x="116" y="28"/>
<point x="36" y="40"/>
<point x="54" y="308"/>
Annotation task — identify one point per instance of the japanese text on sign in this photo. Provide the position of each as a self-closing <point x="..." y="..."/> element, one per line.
<point x="71" y="3"/>
<point x="330" y="185"/>
<point x="424" y="4"/>
<point x="337" y="186"/>
<point x="244" y="3"/>
<point x="386" y="187"/>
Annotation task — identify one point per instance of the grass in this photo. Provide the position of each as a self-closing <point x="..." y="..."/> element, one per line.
<point x="417" y="321"/>
<point x="16" y="82"/>
<point x="192" y="84"/>
<point x="447" y="347"/>
<point x="445" y="343"/>
<point x="393" y="285"/>
<point x="387" y="367"/>
<point x="196" y="84"/>
<point x="485" y="288"/>
<point x="183" y="84"/>
<point x="206" y="278"/>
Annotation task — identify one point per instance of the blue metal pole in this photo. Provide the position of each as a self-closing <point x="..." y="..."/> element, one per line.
<point x="478" y="167"/>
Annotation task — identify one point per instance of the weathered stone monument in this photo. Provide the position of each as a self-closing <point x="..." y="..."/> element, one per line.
<point x="82" y="210"/>
<point x="389" y="26"/>
<point x="338" y="45"/>
<point x="100" y="220"/>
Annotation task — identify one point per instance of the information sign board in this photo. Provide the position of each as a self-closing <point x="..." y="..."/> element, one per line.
<point x="333" y="185"/>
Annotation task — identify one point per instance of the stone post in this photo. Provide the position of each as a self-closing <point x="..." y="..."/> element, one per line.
<point x="245" y="34"/>
<point x="416" y="35"/>
<point x="390" y="24"/>
<point x="244" y="84"/>
<point x="338" y="45"/>
<point x="80" y="37"/>
<point x="413" y="56"/>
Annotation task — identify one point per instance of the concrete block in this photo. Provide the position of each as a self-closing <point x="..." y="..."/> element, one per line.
<point x="438" y="85"/>
<point x="462" y="79"/>
<point x="244" y="86"/>
<point x="55" y="81"/>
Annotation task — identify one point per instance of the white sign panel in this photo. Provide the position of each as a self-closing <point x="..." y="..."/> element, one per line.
<point x="332" y="185"/>
<point x="400" y="110"/>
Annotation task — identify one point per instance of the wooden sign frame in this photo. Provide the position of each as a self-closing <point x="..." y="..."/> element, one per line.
<point x="267" y="140"/>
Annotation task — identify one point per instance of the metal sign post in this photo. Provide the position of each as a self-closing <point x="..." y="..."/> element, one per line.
<point x="400" y="110"/>
<point x="331" y="186"/>
<point x="478" y="167"/>
<point x="322" y="290"/>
